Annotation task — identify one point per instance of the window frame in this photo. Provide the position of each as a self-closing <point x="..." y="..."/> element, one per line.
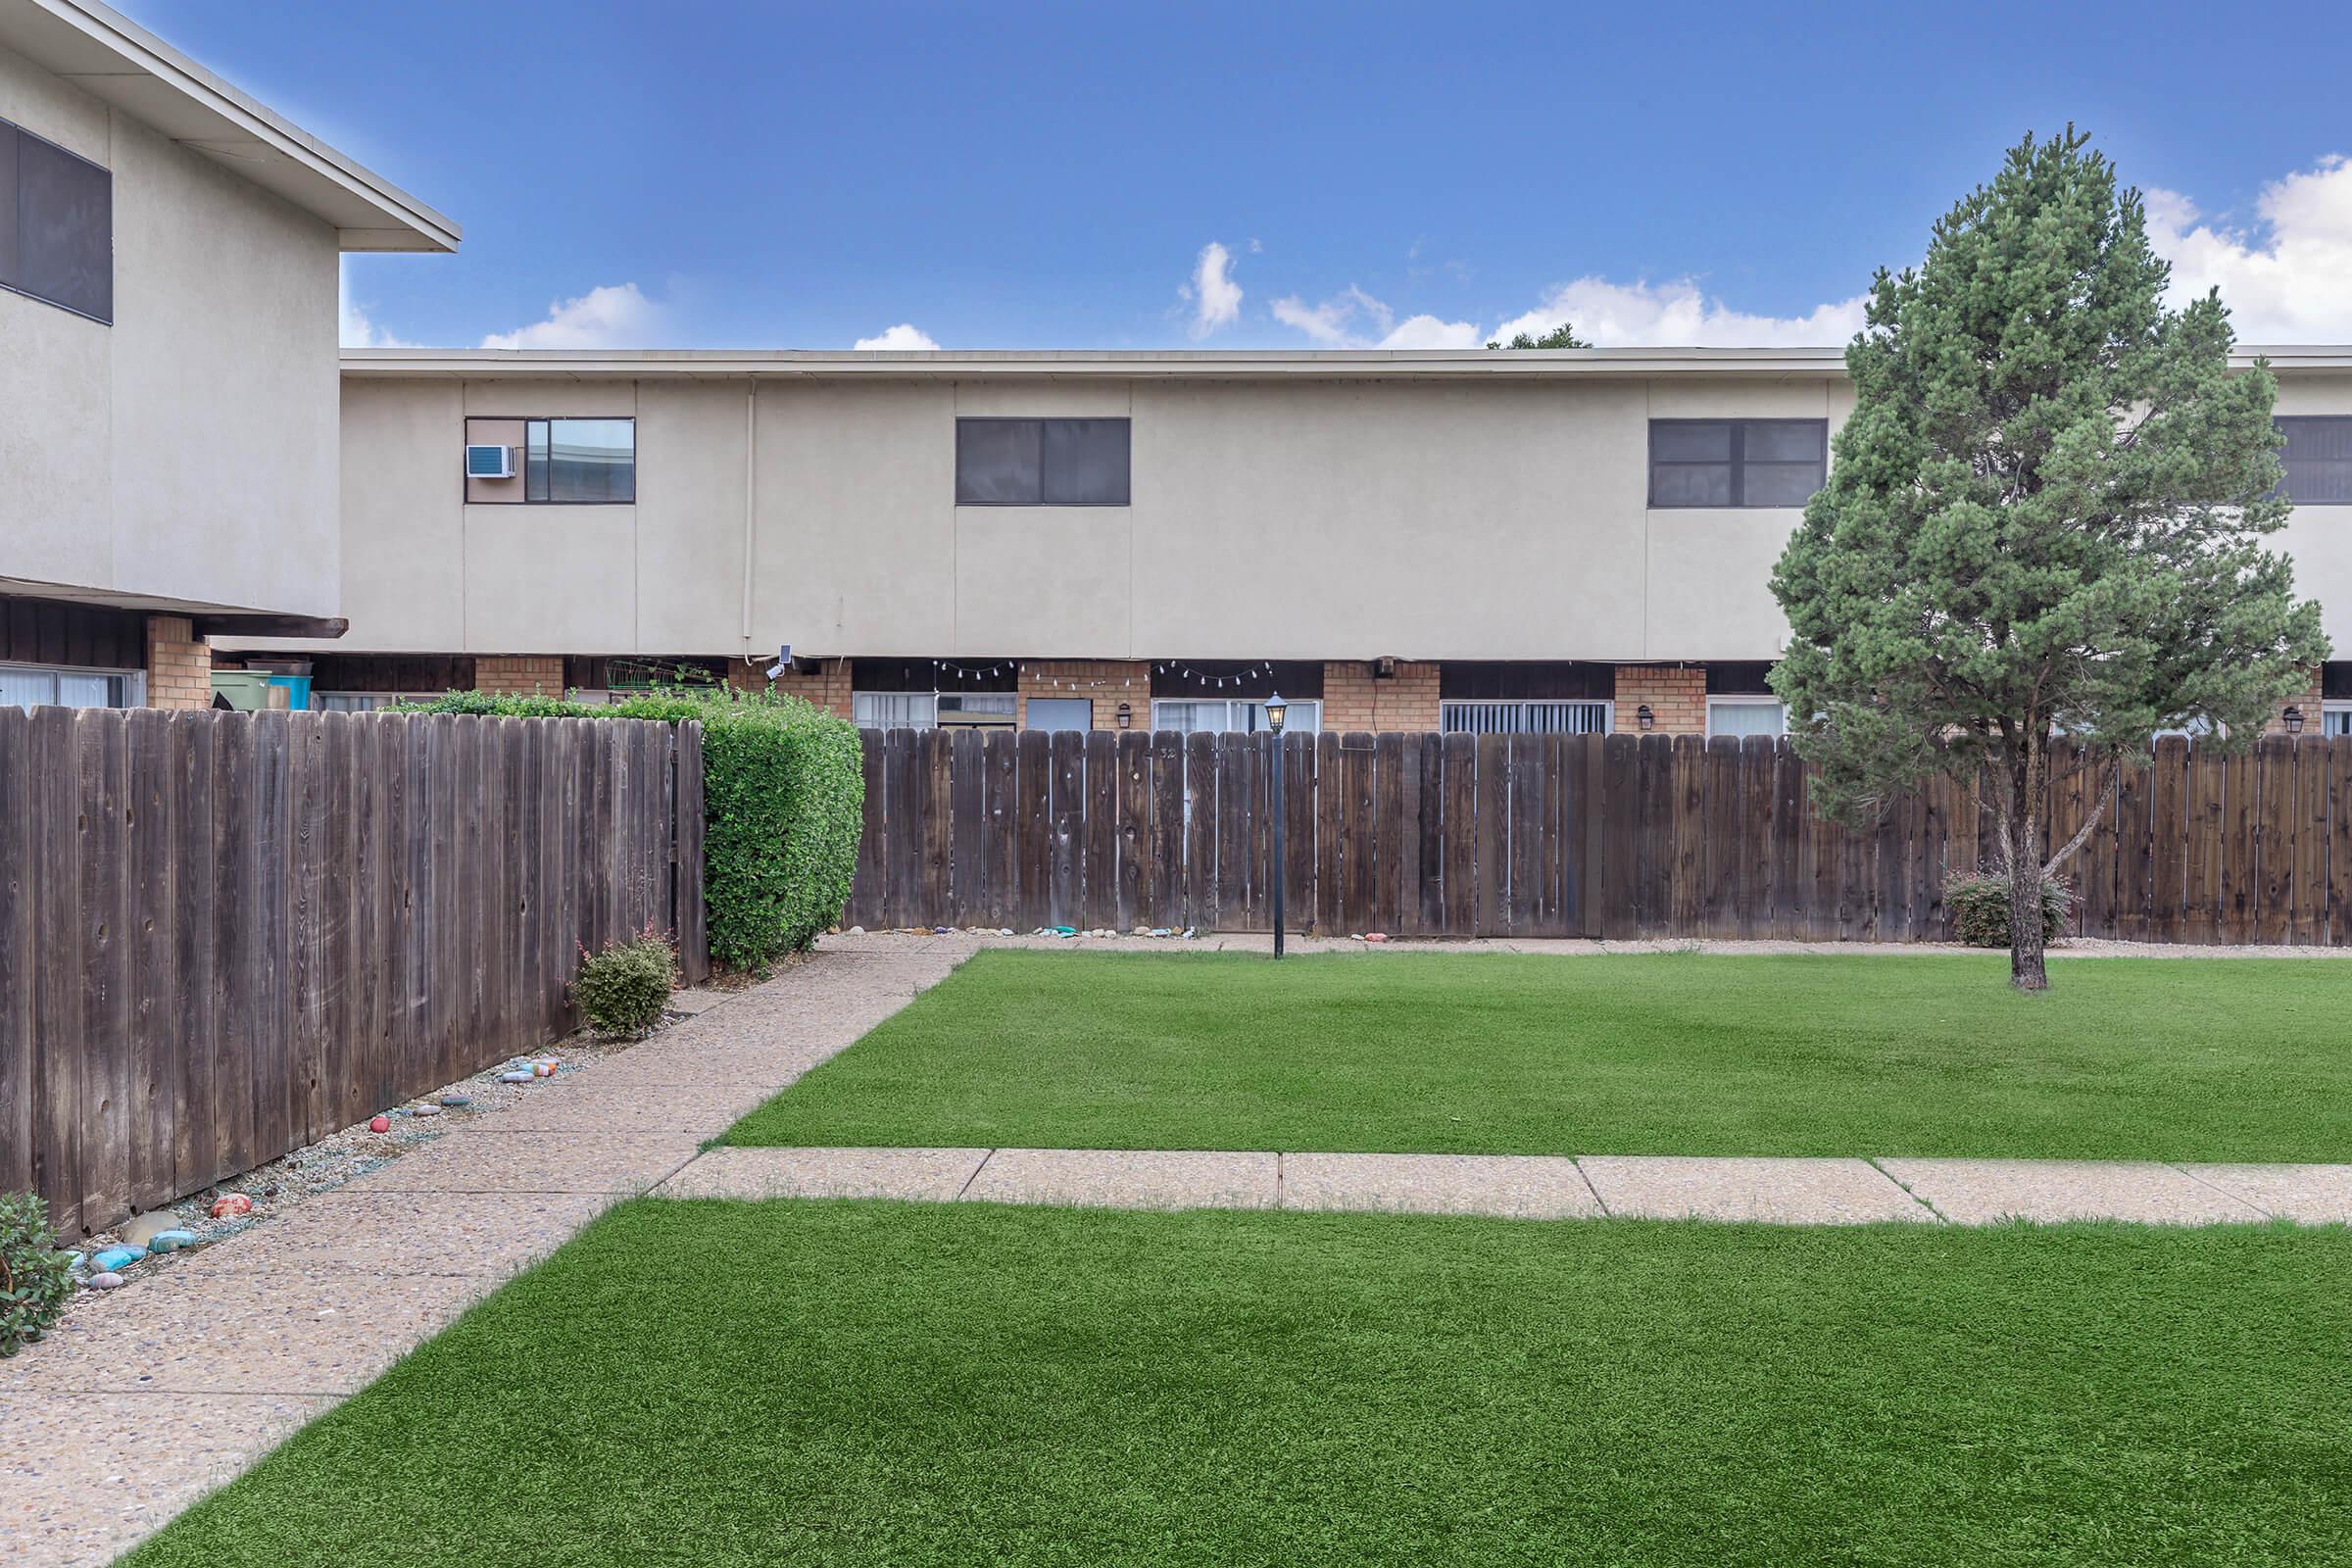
<point x="2341" y="712"/>
<point x="1608" y="706"/>
<point x="1041" y="421"/>
<point x="134" y="688"/>
<point x="12" y="193"/>
<point x="1008" y="718"/>
<point x="2279" y="422"/>
<point x="1738" y="464"/>
<point x="1295" y="710"/>
<point x="1745" y="700"/>
<point x="521" y="478"/>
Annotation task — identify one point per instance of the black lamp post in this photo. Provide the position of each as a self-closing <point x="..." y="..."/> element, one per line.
<point x="1276" y="711"/>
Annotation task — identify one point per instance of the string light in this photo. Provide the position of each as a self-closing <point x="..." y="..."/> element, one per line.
<point x="1264" y="667"/>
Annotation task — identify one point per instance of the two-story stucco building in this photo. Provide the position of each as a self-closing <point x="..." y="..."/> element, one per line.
<point x="1571" y="540"/>
<point x="169" y="378"/>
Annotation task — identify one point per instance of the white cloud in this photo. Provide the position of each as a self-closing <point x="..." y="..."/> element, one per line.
<point x="1216" y="298"/>
<point x="355" y="328"/>
<point x="2288" y="281"/>
<point x="613" y="315"/>
<point x="1353" y="319"/>
<point x="904" y="335"/>
<point x="1678" y="313"/>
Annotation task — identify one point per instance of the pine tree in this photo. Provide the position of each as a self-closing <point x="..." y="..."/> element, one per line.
<point x="2045" y="518"/>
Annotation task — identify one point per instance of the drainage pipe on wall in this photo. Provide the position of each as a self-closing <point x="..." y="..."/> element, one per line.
<point x="751" y="501"/>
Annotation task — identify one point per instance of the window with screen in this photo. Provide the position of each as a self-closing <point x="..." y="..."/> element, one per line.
<point x="57" y="225"/>
<point x="1233" y="716"/>
<point x="1736" y="462"/>
<point x="559" y="462"/>
<point x="2318" y="460"/>
<point x="1042" y="462"/>
<point x="1513" y="717"/>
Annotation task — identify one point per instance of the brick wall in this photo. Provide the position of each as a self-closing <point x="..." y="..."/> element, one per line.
<point x="826" y="684"/>
<point x="1677" y="695"/>
<point x="1103" y="682"/>
<point x="520" y="675"/>
<point x="2309" y="702"/>
<point x="180" y="664"/>
<point x="1354" y="699"/>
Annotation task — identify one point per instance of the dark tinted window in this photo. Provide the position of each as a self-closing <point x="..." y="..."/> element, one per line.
<point x="1042" y="462"/>
<point x="2318" y="459"/>
<point x="57" y="237"/>
<point x="591" y="461"/>
<point x="1736" y="462"/>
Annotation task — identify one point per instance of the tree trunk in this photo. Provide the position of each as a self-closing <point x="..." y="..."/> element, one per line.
<point x="2027" y="971"/>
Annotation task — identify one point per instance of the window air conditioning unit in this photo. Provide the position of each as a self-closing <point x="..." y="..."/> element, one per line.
<point x="489" y="463"/>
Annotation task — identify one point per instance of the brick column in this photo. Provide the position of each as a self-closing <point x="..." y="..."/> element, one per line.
<point x="1103" y="682"/>
<point x="2309" y="702"/>
<point x="827" y="685"/>
<point x="1677" y="695"/>
<point x="180" y="664"/>
<point x="520" y="675"/>
<point x="1356" y="699"/>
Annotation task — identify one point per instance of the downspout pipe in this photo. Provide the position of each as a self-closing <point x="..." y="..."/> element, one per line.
<point x="751" y="502"/>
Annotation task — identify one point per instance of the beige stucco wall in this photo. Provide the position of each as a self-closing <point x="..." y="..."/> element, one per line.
<point x="2318" y="539"/>
<point x="1425" y="519"/>
<point x="188" y="451"/>
<point x="1501" y="519"/>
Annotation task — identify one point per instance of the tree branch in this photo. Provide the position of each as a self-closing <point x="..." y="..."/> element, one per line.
<point x="2090" y="819"/>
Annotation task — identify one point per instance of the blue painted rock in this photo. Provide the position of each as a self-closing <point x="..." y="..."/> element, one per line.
<point x="514" y="1077"/>
<point x="454" y="1101"/>
<point x="172" y="1240"/>
<point x="106" y="1282"/>
<point x="115" y="1257"/>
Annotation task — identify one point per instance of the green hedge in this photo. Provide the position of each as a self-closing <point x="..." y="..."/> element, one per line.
<point x="783" y="794"/>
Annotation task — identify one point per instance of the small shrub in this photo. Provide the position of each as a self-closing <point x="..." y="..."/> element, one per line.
<point x="624" y="988"/>
<point x="783" y="798"/>
<point x="34" y="1281"/>
<point x="1979" y="904"/>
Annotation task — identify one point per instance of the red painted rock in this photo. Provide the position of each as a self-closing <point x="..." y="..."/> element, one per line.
<point x="542" y="1070"/>
<point x="1376" y="935"/>
<point x="231" y="1203"/>
<point x="381" y="1124"/>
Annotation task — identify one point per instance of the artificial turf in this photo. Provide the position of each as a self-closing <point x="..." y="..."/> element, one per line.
<point x="878" y="1384"/>
<point x="1684" y="1054"/>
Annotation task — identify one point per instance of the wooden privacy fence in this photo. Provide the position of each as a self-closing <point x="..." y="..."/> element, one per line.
<point x="225" y="935"/>
<point x="1612" y="836"/>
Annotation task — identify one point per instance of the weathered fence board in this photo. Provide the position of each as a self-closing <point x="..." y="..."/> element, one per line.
<point x="225" y="935"/>
<point x="1616" y="836"/>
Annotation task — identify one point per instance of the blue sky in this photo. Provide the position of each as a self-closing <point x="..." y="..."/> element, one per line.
<point x="1023" y="177"/>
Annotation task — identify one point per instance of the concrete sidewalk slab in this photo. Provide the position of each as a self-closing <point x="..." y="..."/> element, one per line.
<point x="1515" y="1186"/>
<point x="485" y="1162"/>
<point x="1776" y="1190"/>
<point x="220" y="1332"/>
<point x="122" y="1477"/>
<point x="594" y="1106"/>
<point x="922" y="1175"/>
<point x="1126" y="1178"/>
<point x="2310" y="1195"/>
<point x="411" y="1233"/>
<point x="1983" y="1191"/>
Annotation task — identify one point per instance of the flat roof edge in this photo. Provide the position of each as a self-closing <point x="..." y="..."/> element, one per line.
<point x="1203" y="363"/>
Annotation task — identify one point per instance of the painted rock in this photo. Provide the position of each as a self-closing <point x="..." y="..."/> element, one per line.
<point x="230" y="1204"/>
<point x="426" y="1110"/>
<point x="455" y="1101"/>
<point x="172" y="1240"/>
<point x="542" y="1070"/>
<point x="379" y="1124"/>
<point x="108" y="1281"/>
<point x="111" y="1258"/>
<point x="74" y="1259"/>
<point x="1376" y="935"/>
<point x="514" y="1077"/>
<point x="140" y="1229"/>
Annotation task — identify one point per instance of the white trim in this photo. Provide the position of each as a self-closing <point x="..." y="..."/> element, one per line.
<point x="2340" y="713"/>
<point x="1745" y="699"/>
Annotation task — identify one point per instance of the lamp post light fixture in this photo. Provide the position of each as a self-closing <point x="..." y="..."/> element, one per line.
<point x="1644" y="717"/>
<point x="2292" y="716"/>
<point x="1126" y="716"/>
<point x="1276" y="711"/>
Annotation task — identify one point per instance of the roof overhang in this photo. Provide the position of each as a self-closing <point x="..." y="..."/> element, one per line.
<point x="122" y="64"/>
<point x="1244" y="365"/>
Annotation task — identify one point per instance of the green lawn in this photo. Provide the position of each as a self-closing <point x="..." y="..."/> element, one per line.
<point x="879" y="1383"/>
<point x="1684" y="1054"/>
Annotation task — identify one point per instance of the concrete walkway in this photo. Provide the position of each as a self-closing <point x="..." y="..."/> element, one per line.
<point x="138" y="1403"/>
<point x="1772" y="1190"/>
